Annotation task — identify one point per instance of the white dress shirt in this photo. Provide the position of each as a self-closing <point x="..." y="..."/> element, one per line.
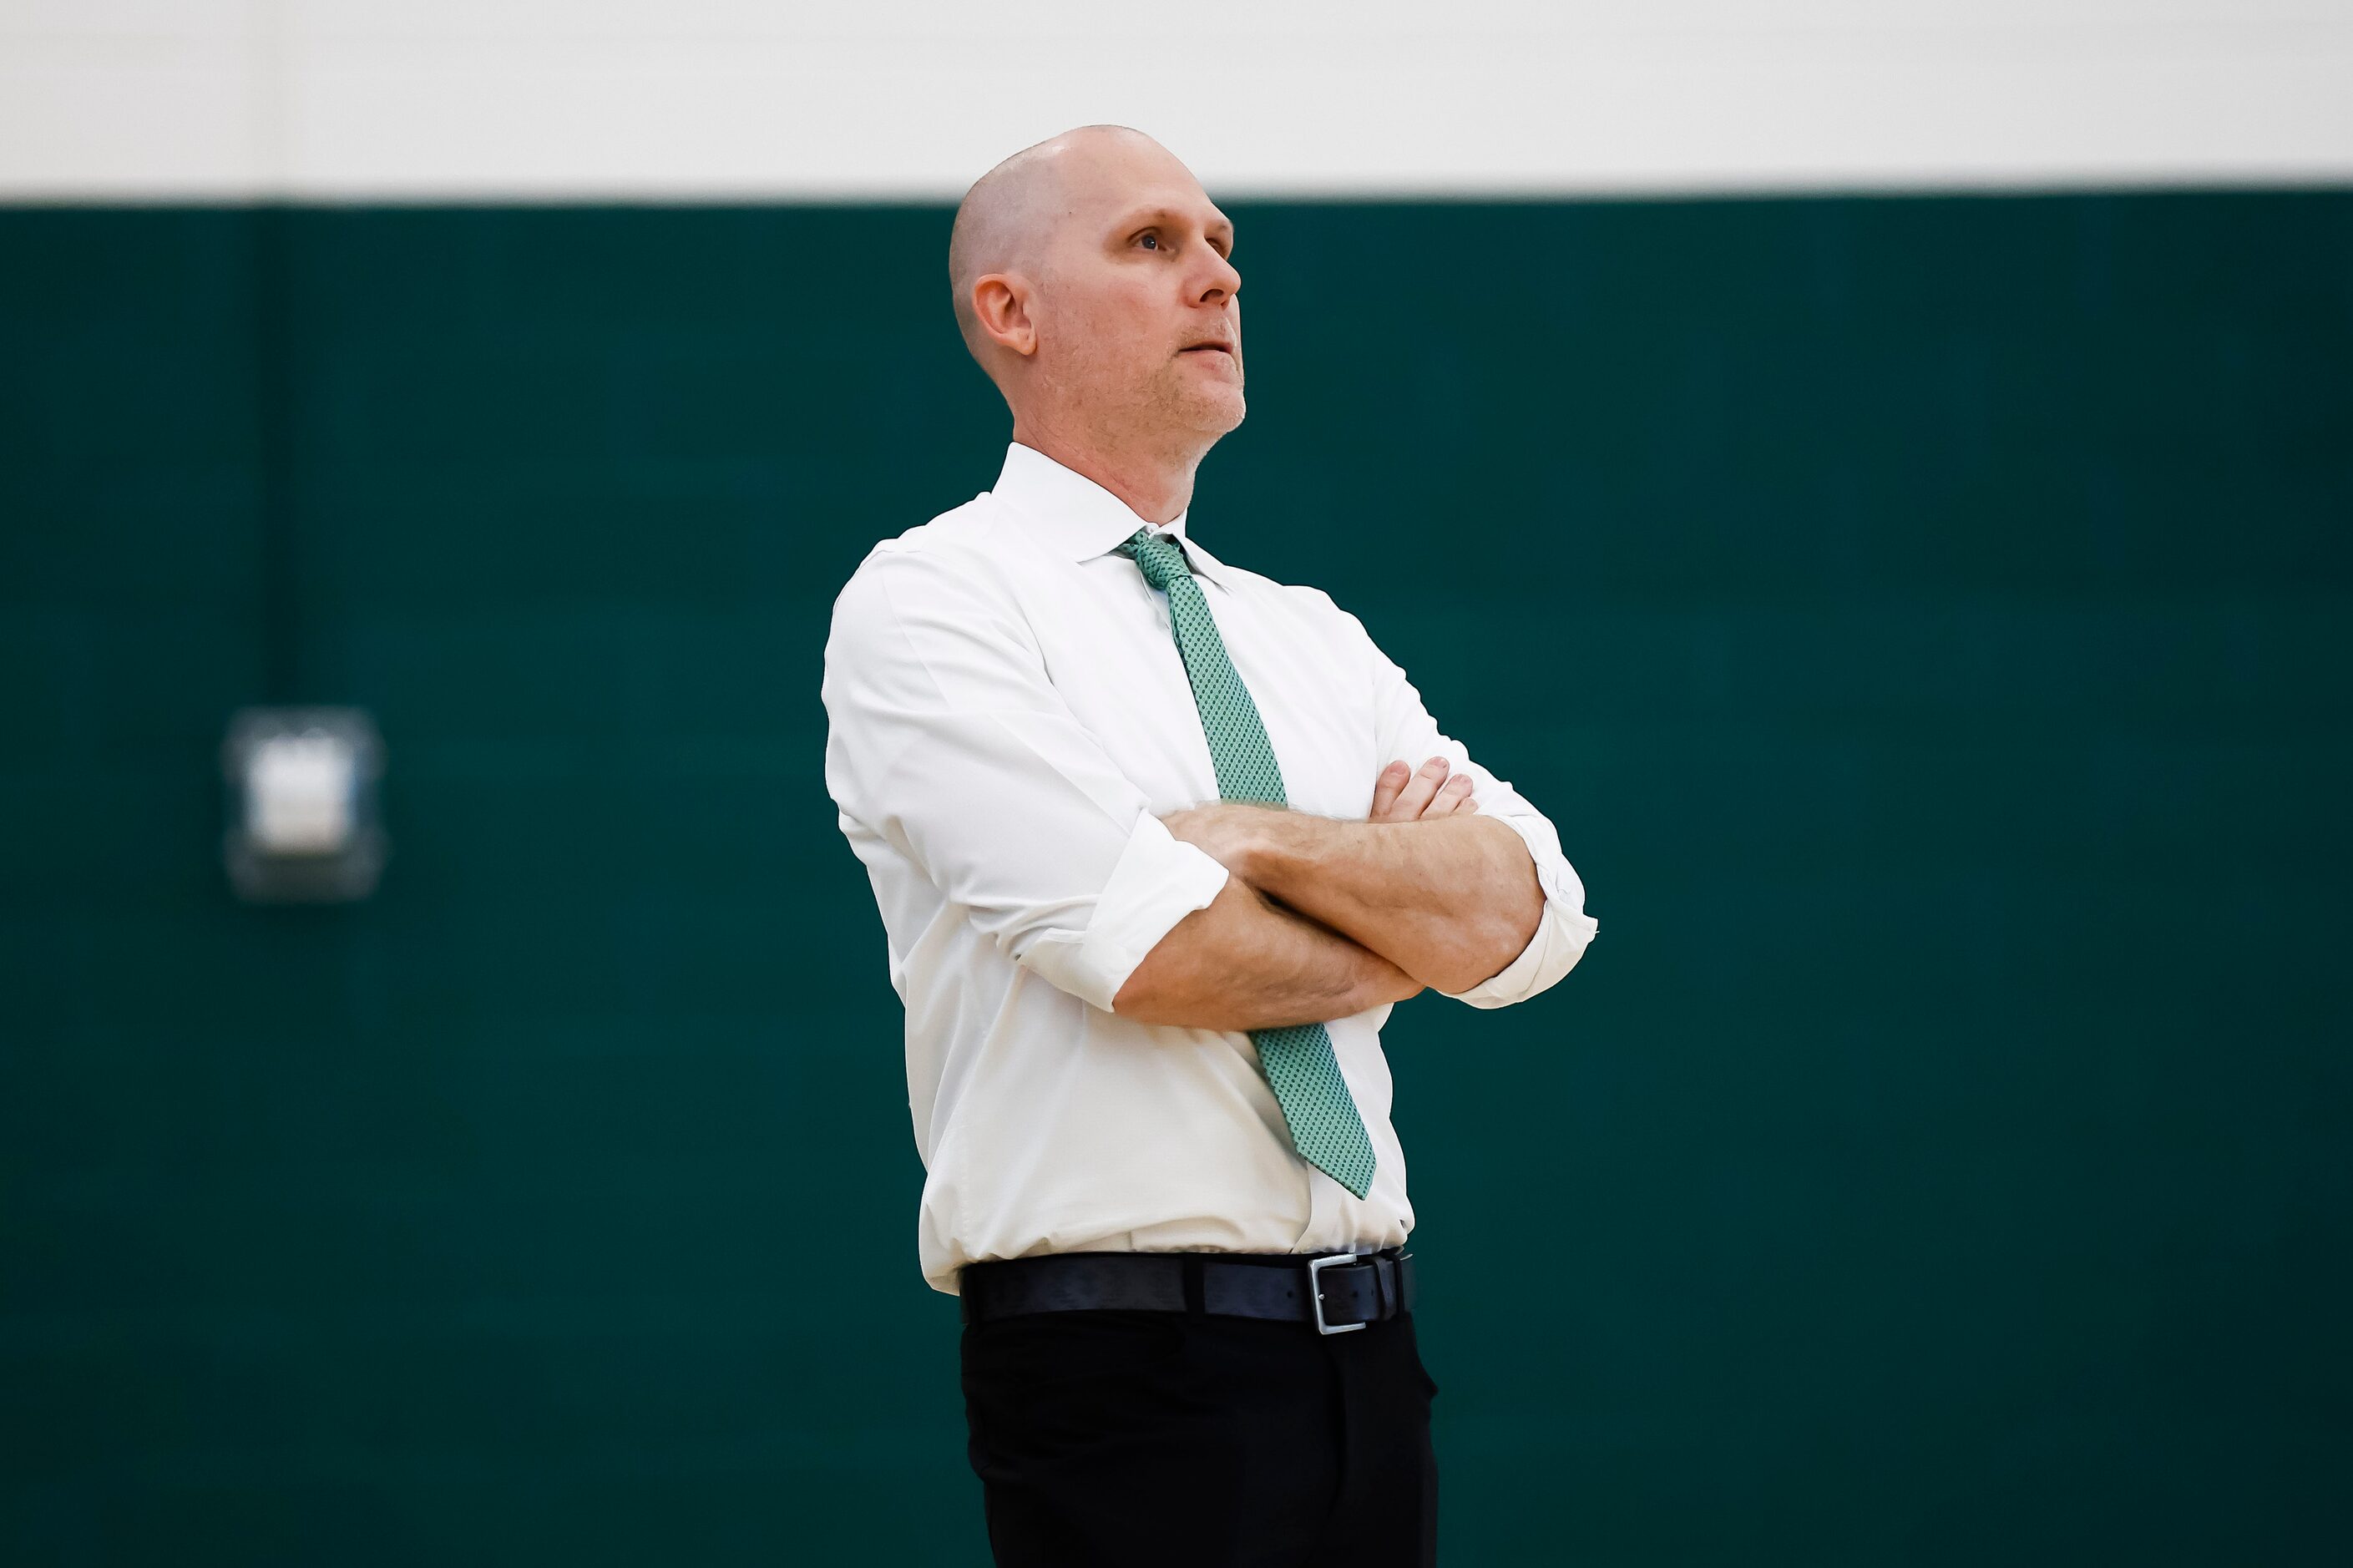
<point x="1008" y="717"/>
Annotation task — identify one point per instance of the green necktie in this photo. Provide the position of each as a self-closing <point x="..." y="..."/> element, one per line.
<point x="1299" y="1067"/>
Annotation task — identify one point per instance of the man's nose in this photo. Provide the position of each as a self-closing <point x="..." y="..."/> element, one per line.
<point x="1222" y="283"/>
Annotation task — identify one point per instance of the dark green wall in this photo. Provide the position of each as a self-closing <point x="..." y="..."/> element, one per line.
<point x="1937" y="618"/>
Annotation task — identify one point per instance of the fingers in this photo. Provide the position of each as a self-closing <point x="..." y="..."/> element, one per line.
<point x="1405" y="795"/>
<point x="1420" y="789"/>
<point x="1453" y="800"/>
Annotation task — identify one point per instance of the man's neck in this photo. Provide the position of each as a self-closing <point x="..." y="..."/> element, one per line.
<point x="1157" y="487"/>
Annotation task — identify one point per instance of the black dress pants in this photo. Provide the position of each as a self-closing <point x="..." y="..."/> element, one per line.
<point x="1110" y="1438"/>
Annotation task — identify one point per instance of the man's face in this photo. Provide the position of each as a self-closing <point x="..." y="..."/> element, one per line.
<point x="1138" y="308"/>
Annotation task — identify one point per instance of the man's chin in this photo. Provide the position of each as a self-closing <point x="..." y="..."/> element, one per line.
<point x="1218" y="414"/>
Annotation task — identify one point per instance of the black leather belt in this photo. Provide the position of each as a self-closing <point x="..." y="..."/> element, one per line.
<point x="1337" y="1293"/>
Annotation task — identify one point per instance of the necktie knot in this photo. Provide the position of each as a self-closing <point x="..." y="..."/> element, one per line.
<point x="1160" y="556"/>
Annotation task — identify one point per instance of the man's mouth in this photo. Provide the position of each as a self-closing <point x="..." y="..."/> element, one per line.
<point x="1206" y="348"/>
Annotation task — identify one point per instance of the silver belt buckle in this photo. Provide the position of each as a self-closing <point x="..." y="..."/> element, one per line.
<point x="1315" y="1291"/>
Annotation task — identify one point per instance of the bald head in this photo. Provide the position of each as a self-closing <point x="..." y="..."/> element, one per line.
<point x="1093" y="282"/>
<point x="1004" y="222"/>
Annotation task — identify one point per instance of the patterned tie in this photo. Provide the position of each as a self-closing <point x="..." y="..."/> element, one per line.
<point x="1299" y="1067"/>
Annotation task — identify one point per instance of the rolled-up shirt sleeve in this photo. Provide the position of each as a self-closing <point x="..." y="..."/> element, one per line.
<point x="1564" y="930"/>
<point x="947" y="740"/>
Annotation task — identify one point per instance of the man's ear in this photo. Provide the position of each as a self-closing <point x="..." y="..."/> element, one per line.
<point x="1000" y="303"/>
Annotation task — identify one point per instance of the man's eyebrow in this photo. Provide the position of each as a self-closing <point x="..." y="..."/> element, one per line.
<point x="1144" y="218"/>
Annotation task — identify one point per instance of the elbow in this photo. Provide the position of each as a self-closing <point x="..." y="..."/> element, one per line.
<point x="1497" y="944"/>
<point x="1558" y="943"/>
<point x="1508" y="919"/>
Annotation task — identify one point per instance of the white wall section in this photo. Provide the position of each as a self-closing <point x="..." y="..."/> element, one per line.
<point x="693" y="100"/>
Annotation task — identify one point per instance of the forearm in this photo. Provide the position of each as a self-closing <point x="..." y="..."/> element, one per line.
<point x="1246" y="962"/>
<point x="1450" y="901"/>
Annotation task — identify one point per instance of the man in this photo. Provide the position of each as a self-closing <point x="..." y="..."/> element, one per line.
<point x="1158" y="843"/>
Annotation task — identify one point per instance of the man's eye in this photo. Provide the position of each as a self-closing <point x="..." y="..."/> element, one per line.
<point x="1150" y="242"/>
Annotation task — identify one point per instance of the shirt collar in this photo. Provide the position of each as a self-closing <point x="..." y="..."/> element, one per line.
<point x="1077" y="518"/>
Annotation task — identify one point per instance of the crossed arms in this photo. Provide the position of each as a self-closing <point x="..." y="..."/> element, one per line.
<point x="1323" y="918"/>
<point x="974" y="792"/>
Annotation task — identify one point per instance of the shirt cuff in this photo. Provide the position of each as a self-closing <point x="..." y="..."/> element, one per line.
<point x="1159" y="881"/>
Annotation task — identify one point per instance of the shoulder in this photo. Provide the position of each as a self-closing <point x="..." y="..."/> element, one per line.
<point x="955" y="534"/>
<point x="955" y="566"/>
<point x="959" y="544"/>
